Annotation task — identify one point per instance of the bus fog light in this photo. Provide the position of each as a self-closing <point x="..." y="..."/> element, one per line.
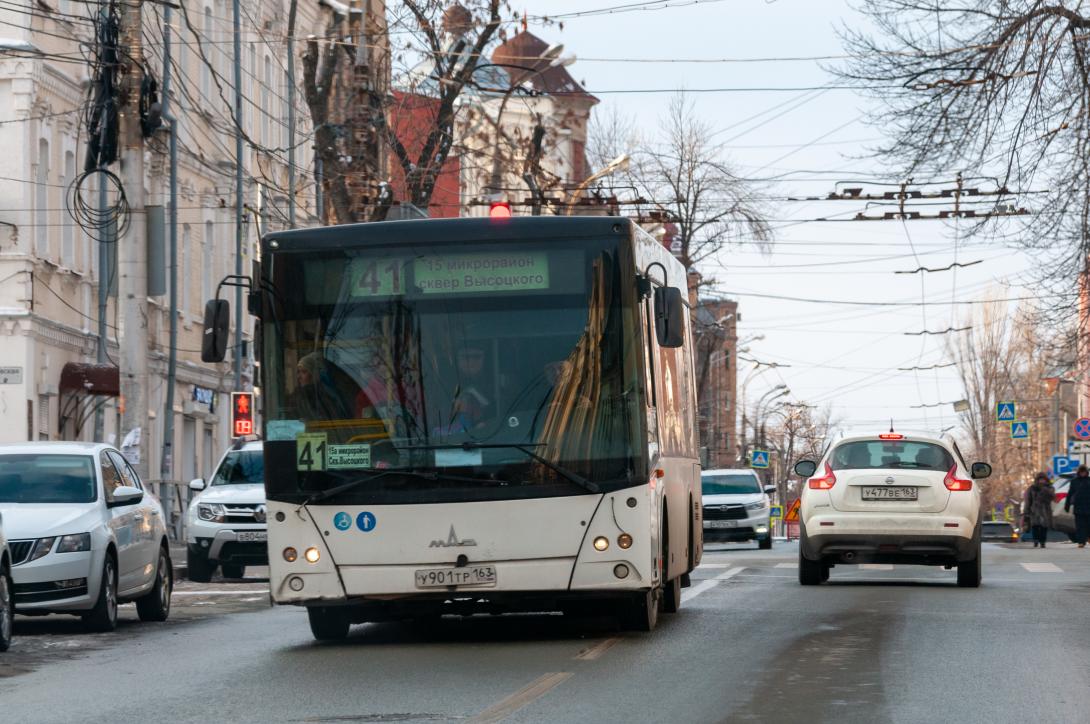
<point x="601" y="543"/>
<point x="624" y="540"/>
<point x="620" y="570"/>
<point x="290" y="554"/>
<point x="312" y="555"/>
<point x="295" y="583"/>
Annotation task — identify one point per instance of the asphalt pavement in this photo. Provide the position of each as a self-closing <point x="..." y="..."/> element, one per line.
<point x="876" y="644"/>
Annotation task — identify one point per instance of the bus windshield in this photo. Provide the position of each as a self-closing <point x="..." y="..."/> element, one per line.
<point x="464" y="362"/>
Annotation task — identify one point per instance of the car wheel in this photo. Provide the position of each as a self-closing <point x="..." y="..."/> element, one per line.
<point x="328" y="623"/>
<point x="7" y="610"/>
<point x="765" y="543"/>
<point x="103" y="617"/>
<point x="810" y="572"/>
<point x="825" y="568"/>
<point x="232" y="571"/>
<point x="155" y="604"/>
<point x="198" y="567"/>
<point x="969" y="574"/>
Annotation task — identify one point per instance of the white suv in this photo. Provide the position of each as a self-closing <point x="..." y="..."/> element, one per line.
<point x="225" y="523"/>
<point x="735" y="507"/>
<point x="890" y="498"/>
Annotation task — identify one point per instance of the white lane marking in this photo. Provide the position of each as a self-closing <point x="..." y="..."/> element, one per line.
<point x="787" y="565"/>
<point x="1042" y="568"/>
<point x="708" y="585"/>
<point x="730" y="574"/>
<point x="213" y="592"/>
<point x="698" y="589"/>
<point x="876" y="566"/>
<point x="715" y="565"/>
<point x="598" y="649"/>
<point x="531" y="692"/>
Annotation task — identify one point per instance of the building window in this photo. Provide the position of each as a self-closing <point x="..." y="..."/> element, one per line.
<point x="43" y="417"/>
<point x="206" y="71"/>
<point x="266" y="103"/>
<point x="208" y="251"/>
<point x="251" y="85"/>
<point x="183" y="271"/>
<point x="41" y="193"/>
<point x="68" y="230"/>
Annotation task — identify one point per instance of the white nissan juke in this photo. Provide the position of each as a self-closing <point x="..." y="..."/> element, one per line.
<point x="890" y="498"/>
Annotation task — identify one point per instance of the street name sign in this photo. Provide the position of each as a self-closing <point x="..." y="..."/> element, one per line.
<point x="11" y="375"/>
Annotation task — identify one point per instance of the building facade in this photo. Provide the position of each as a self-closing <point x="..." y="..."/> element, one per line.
<point x="715" y="330"/>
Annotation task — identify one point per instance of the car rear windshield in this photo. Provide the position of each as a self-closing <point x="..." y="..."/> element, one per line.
<point x="241" y="467"/>
<point x="47" y="479"/>
<point x="885" y="454"/>
<point x="729" y="484"/>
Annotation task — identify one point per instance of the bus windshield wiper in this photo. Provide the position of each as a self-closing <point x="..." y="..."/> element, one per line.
<point x="525" y="449"/>
<point x="356" y="482"/>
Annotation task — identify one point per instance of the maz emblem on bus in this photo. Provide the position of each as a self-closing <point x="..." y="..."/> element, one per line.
<point x="452" y="541"/>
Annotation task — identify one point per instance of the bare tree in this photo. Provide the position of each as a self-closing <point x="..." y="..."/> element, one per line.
<point x="450" y="38"/>
<point x="996" y="89"/>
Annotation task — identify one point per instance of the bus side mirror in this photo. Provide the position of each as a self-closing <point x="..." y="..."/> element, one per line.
<point x="217" y="320"/>
<point x="669" y="317"/>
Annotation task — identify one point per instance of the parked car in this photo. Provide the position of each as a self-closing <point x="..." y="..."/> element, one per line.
<point x="736" y="506"/>
<point x="225" y="523"/>
<point x="999" y="531"/>
<point x="7" y="594"/>
<point x="891" y="498"/>
<point x="84" y="533"/>
<point x="1062" y="521"/>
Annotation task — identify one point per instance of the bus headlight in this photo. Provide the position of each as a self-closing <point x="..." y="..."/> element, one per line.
<point x="601" y="543"/>
<point x="290" y="554"/>
<point x="312" y="555"/>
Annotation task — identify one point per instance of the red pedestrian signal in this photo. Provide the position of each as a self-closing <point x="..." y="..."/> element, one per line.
<point x="242" y="414"/>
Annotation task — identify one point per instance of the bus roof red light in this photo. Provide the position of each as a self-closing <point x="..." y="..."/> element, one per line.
<point x="500" y="210"/>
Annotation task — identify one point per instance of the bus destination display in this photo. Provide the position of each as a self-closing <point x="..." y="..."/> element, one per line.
<point x="501" y="271"/>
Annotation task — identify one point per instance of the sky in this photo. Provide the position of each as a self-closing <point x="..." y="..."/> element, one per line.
<point x="843" y="355"/>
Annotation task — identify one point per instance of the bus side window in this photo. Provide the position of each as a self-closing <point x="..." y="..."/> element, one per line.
<point x="652" y="353"/>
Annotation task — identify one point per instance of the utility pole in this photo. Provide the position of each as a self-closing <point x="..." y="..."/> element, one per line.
<point x="239" y="203"/>
<point x="132" y="251"/>
<point x="291" y="113"/>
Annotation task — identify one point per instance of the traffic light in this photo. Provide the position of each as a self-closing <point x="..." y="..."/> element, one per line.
<point x="242" y="414"/>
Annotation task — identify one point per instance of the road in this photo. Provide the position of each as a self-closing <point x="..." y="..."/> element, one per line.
<point x="877" y="644"/>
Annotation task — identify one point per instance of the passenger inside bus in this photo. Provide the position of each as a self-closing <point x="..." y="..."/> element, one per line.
<point x="315" y="396"/>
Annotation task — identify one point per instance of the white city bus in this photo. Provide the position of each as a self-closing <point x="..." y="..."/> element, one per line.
<point x="475" y="415"/>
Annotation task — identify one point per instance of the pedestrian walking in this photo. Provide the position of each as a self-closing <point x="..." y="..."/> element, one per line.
<point x="1037" y="508"/>
<point x="1078" y="497"/>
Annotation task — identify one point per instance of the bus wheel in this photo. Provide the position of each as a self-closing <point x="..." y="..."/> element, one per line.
<point x="671" y="596"/>
<point x="642" y="612"/>
<point x="328" y="623"/>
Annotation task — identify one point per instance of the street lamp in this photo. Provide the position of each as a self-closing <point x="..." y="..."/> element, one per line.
<point x="618" y="164"/>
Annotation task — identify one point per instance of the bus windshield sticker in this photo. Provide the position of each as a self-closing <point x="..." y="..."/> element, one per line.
<point x="501" y="271"/>
<point x="348" y="457"/>
<point x="310" y="451"/>
<point x="457" y="458"/>
<point x="284" y="429"/>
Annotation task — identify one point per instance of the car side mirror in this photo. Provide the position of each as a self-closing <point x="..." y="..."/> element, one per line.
<point x="126" y="495"/>
<point x="669" y="317"/>
<point x="805" y="468"/>
<point x="981" y="471"/>
<point x="196" y="484"/>
<point x="217" y="321"/>
<point x="769" y="489"/>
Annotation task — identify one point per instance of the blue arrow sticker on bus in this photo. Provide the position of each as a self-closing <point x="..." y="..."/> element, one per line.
<point x="342" y="521"/>
<point x="366" y="521"/>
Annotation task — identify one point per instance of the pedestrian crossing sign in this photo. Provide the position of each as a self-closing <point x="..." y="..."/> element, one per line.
<point x="759" y="459"/>
<point x="1019" y="430"/>
<point x="775" y="512"/>
<point x="1004" y="412"/>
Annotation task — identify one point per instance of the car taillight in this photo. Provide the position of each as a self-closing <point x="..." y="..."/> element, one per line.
<point x="825" y="482"/>
<point x="953" y="482"/>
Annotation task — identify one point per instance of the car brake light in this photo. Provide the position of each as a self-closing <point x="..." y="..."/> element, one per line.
<point x="953" y="482"/>
<point x="825" y="482"/>
<point x="500" y="210"/>
<point x="891" y="436"/>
